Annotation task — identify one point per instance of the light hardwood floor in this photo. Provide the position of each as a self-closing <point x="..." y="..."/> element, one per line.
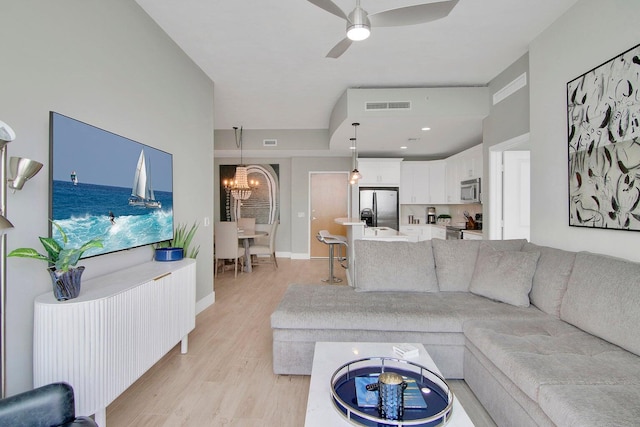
<point x="226" y="378"/>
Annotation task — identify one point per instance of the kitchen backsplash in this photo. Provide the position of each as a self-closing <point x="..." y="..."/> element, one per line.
<point x="456" y="212"/>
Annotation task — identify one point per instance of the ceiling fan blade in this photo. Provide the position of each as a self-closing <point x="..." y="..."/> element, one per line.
<point x="411" y="15"/>
<point x="330" y="7"/>
<point x="340" y="48"/>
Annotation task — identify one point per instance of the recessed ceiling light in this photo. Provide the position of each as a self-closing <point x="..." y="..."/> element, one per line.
<point x="404" y="147"/>
<point x="352" y="148"/>
<point x="426" y="128"/>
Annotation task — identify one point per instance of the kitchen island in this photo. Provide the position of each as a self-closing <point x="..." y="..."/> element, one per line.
<point x="357" y="229"/>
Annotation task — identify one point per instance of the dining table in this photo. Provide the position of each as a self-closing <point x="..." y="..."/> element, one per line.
<point x="246" y="235"/>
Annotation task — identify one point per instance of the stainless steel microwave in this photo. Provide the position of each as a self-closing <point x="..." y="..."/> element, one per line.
<point x="470" y="191"/>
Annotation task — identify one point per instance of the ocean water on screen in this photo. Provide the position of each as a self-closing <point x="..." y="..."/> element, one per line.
<point x="83" y="212"/>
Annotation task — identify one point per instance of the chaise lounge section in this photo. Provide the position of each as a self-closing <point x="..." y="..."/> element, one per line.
<point x="541" y="335"/>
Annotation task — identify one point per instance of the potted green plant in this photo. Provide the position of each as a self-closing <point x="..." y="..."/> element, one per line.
<point x="182" y="239"/>
<point x="64" y="275"/>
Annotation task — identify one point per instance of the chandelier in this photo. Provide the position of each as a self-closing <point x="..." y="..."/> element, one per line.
<point x="240" y="186"/>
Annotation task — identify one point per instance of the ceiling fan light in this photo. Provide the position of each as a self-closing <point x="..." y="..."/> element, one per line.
<point x="358" y="32"/>
<point x="358" y="25"/>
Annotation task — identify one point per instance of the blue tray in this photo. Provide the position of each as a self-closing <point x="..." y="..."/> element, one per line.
<point x="435" y="392"/>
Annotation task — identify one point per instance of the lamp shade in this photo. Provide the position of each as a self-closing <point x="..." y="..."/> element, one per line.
<point x="22" y="170"/>
<point x="6" y="133"/>
<point x="5" y="223"/>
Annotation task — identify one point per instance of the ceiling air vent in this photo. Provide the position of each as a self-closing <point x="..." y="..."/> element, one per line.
<point x="392" y="105"/>
<point x="269" y="142"/>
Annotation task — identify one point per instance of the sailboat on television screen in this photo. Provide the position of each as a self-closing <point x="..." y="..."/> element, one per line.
<point x="141" y="193"/>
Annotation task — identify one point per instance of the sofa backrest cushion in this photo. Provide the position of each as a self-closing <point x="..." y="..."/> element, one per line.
<point x="551" y="277"/>
<point x="504" y="276"/>
<point x="456" y="260"/>
<point x="395" y="266"/>
<point x="603" y="298"/>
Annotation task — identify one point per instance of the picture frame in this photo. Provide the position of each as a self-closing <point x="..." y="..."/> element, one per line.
<point x="603" y="130"/>
<point x="264" y="202"/>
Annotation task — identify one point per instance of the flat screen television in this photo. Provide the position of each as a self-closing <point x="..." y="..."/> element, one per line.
<point x="107" y="186"/>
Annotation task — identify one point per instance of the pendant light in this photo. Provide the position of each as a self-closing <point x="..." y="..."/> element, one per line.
<point x="355" y="173"/>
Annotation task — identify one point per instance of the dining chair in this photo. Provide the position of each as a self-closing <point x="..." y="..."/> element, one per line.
<point x="270" y="249"/>
<point x="247" y="223"/>
<point x="226" y="245"/>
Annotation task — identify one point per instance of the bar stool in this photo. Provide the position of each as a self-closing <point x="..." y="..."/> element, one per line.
<point x="332" y="240"/>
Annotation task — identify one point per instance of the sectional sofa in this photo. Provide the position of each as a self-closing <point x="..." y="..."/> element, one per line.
<point x="543" y="336"/>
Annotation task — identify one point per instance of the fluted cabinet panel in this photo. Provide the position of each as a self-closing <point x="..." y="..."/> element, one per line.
<point x="119" y="326"/>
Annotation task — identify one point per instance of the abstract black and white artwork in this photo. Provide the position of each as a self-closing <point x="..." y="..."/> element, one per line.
<point x="603" y="111"/>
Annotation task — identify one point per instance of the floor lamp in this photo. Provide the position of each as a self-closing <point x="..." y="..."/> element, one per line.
<point x="22" y="170"/>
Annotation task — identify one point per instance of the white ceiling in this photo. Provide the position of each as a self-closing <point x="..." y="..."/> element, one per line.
<point x="267" y="58"/>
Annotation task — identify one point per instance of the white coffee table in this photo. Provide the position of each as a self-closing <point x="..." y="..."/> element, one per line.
<point x="329" y="356"/>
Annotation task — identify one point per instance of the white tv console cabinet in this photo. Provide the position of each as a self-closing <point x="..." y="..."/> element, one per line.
<point x="120" y="325"/>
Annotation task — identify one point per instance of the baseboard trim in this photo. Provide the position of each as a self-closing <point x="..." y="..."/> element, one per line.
<point x="205" y="302"/>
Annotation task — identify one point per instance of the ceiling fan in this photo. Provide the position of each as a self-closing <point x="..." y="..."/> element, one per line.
<point x="359" y="22"/>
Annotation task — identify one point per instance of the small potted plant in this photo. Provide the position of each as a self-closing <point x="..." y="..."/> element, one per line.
<point x="64" y="275"/>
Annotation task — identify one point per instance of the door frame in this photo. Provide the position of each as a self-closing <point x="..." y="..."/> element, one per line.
<point x="309" y="219"/>
<point x="495" y="214"/>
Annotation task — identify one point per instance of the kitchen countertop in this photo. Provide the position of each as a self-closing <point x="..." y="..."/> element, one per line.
<point x="349" y="221"/>
<point x="382" y="233"/>
<point x="443" y="226"/>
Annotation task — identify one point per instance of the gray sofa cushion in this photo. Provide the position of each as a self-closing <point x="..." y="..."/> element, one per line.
<point x="591" y="405"/>
<point x="320" y="307"/>
<point x="456" y="260"/>
<point x="504" y="276"/>
<point x="533" y="353"/>
<point x="551" y="277"/>
<point x="395" y="266"/>
<point x="603" y="298"/>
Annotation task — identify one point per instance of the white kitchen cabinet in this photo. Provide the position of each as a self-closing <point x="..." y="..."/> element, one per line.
<point x="423" y="183"/>
<point x="413" y="183"/>
<point x="379" y="171"/>
<point x="459" y="167"/>
<point x="438" y="232"/>
<point x="452" y="181"/>
<point x="420" y="232"/>
<point x="437" y="182"/>
<point x="472" y="162"/>
<point x="471" y="236"/>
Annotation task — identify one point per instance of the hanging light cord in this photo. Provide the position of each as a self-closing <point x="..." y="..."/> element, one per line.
<point x="238" y="141"/>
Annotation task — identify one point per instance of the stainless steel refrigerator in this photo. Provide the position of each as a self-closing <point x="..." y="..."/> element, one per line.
<point x="379" y="206"/>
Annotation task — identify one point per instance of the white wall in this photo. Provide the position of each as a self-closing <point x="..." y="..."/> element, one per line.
<point x="108" y="64"/>
<point x="590" y="33"/>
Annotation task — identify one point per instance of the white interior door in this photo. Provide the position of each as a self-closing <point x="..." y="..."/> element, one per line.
<point x="516" y="195"/>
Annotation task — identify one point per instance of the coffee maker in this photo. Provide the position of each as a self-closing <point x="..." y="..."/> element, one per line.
<point x="431" y="215"/>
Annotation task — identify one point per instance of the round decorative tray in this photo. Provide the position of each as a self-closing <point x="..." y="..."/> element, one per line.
<point x="433" y="410"/>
